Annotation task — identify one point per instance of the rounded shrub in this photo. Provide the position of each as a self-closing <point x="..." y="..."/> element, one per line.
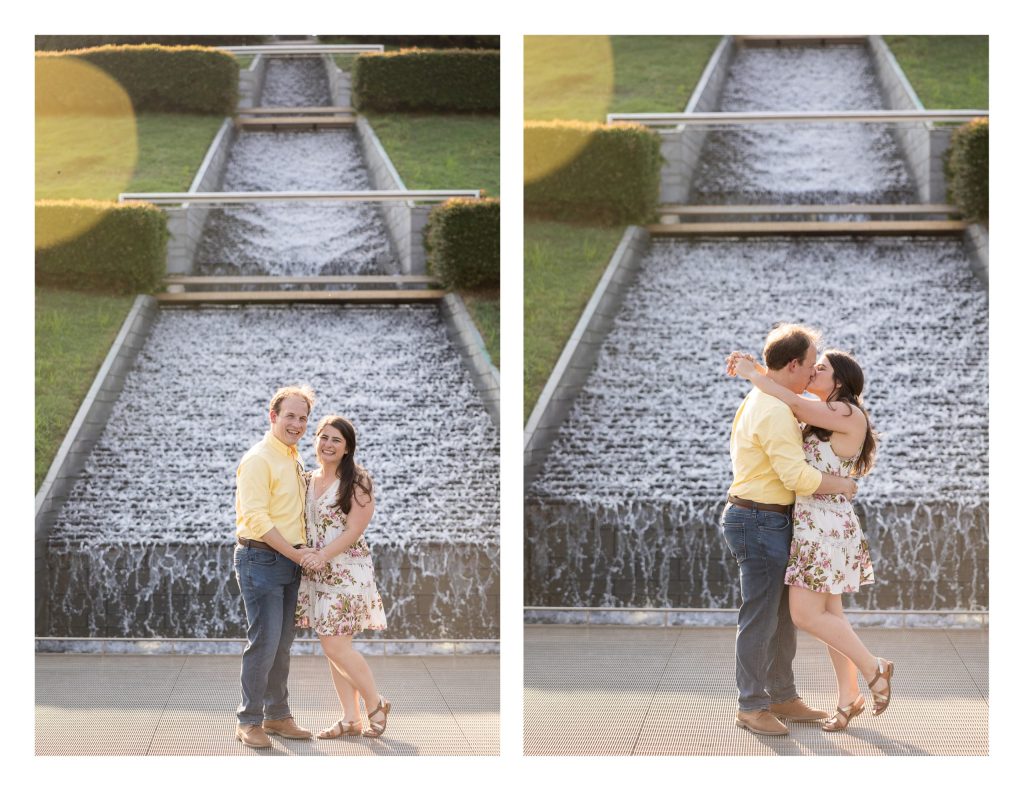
<point x="966" y="167"/>
<point x="452" y="80"/>
<point x="156" y="78"/>
<point x="123" y="249"/>
<point x="57" y="43"/>
<point x="463" y="242"/>
<point x="590" y="171"/>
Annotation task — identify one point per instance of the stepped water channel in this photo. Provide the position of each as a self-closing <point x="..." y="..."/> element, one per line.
<point x="143" y="546"/>
<point x="624" y="511"/>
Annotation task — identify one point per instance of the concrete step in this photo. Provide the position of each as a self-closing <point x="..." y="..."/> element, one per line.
<point x="296" y="111"/>
<point x="875" y="228"/>
<point x="367" y="296"/>
<point x="306" y="280"/>
<point x="685" y="210"/>
<point x="295" y="122"/>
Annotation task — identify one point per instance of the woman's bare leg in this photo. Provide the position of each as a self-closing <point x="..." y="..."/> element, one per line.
<point x="810" y="611"/>
<point x="351" y="663"/>
<point x="348" y="696"/>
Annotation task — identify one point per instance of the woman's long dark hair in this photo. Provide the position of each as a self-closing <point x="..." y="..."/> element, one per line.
<point x="848" y="379"/>
<point x="352" y="475"/>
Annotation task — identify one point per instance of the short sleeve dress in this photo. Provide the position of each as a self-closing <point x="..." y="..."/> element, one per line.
<point x="342" y="598"/>
<point x="829" y="553"/>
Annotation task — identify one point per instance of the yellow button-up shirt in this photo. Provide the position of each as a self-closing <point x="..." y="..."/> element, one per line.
<point x="270" y="492"/>
<point x="766" y="446"/>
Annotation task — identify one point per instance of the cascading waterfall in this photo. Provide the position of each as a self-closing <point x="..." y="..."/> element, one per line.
<point x="143" y="546"/>
<point x="296" y="238"/>
<point x="625" y="510"/>
<point x="801" y="163"/>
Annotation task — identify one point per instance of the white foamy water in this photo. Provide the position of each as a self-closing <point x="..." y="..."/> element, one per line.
<point x="142" y="546"/>
<point x="802" y="163"/>
<point x="296" y="238"/>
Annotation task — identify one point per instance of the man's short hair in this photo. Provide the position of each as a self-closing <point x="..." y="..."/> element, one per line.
<point x="302" y="391"/>
<point x="788" y="342"/>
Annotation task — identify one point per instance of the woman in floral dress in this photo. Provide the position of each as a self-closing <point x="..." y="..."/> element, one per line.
<point x="829" y="555"/>
<point x="337" y="595"/>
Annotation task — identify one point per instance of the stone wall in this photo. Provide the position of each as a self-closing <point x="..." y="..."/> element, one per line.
<point x="681" y="147"/>
<point x="466" y="338"/>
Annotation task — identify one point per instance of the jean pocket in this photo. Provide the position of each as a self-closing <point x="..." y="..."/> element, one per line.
<point x="734" y="539"/>
<point x="773" y="520"/>
<point x="262" y="557"/>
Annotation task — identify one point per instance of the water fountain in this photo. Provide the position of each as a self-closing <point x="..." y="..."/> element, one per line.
<point x="143" y="546"/>
<point x="625" y="509"/>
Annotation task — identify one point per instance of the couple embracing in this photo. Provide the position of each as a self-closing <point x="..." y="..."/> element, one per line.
<point x="301" y="561"/>
<point x="791" y="527"/>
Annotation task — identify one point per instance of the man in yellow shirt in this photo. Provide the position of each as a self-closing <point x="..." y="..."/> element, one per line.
<point x="769" y="469"/>
<point x="271" y="546"/>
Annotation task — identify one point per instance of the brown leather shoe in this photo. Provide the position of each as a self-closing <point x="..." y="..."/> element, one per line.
<point x="252" y="736"/>
<point x="762" y="722"/>
<point x="286" y="728"/>
<point x="796" y="710"/>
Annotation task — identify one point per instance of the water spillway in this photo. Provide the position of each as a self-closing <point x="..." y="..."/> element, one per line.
<point x="624" y="512"/>
<point x="296" y="238"/>
<point x="143" y="546"/>
<point x="801" y="163"/>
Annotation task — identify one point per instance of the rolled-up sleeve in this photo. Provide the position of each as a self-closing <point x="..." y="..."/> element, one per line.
<point x="780" y="439"/>
<point x="253" y="481"/>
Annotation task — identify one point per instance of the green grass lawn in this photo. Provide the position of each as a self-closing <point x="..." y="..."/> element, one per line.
<point x="947" y="72"/>
<point x="73" y="335"/>
<point x="89" y="158"/>
<point x="450" y="151"/>
<point x="563" y="264"/>
<point x="583" y="78"/>
<point x="94" y="157"/>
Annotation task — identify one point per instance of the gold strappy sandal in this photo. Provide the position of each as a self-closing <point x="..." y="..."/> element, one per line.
<point x="341" y="728"/>
<point x="882" y="699"/>
<point x="843" y="715"/>
<point x="376" y="729"/>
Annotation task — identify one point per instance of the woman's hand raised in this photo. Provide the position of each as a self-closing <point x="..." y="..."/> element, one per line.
<point x="741" y="364"/>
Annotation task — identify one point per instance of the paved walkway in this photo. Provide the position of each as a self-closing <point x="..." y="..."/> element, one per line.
<point x="667" y="691"/>
<point x="89" y="704"/>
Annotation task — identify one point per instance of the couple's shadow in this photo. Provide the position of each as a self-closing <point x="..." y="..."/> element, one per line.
<point x="385" y="745"/>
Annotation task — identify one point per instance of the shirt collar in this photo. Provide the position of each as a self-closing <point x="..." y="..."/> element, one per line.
<point x="288" y="450"/>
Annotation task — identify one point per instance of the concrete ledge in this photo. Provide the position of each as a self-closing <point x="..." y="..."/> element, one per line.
<point x="186" y="223"/>
<point x="580" y="352"/>
<point x="976" y="245"/>
<point x="665" y="617"/>
<point x="302" y="647"/>
<point x="470" y="345"/>
<point x="250" y="82"/>
<point x="85" y="430"/>
<point x="681" y="147"/>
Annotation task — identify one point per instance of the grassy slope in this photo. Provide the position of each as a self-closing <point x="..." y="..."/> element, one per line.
<point x="947" y="72"/>
<point x="563" y="261"/>
<point x="74" y="330"/>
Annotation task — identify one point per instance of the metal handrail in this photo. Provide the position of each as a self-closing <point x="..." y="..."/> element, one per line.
<point x="370" y="196"/>
<point x="302" y="49"/>
<point x="844" y="116"/>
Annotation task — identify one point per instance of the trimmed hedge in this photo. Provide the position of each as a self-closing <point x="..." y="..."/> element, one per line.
<point x="463" y="242"/>
<point x="966" y="166"/>
<point x="613" y="177"/>
<point x="459" y="80"/>
<point x="57" y="43"/>
<point x="161" y="79"/>
<point x="424" y="42"/>
<point x="123" y="252"/>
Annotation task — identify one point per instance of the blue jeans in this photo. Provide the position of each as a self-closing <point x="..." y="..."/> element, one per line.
<point x="270" y="588"/>
<point x="765" y="636"/>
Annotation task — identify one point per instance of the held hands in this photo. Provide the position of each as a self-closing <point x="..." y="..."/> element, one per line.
<point x="311" y="560"/>
<point x="851" y="489"/>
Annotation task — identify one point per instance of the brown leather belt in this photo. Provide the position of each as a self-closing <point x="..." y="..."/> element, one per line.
<point x="252" y="542"/>
<point x="782" y="509"/>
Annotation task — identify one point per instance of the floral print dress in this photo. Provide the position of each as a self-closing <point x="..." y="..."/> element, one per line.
<point x="342" y="598"/>
<point x="829" y="553"/>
